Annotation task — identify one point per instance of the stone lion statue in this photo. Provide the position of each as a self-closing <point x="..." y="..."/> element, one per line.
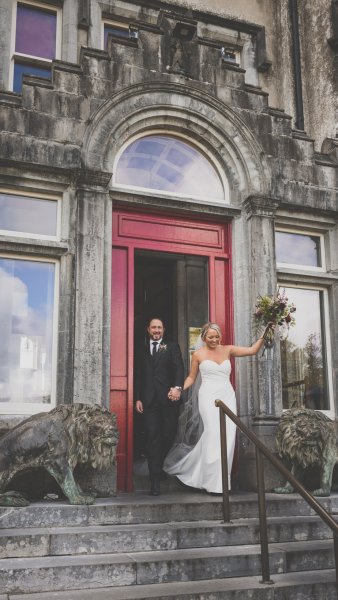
<point x="307" y="438"/>
<point x="57" y="441"/>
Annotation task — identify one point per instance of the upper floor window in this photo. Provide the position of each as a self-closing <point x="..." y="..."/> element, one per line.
<point x="171" y="165"/>
<point x="117" y="29"/>
<point x="35" y="40"/>
<point x="26" y="215"/>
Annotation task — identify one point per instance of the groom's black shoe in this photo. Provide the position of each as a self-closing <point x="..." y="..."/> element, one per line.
<point x="155" y="489"/>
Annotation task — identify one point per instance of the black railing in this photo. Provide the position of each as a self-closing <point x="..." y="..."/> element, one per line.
<point x="262" y="450"/>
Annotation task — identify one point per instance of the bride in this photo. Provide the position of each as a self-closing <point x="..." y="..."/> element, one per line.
<point x="200" y="465"/>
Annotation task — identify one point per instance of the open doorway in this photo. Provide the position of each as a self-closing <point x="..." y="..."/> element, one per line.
<point x="174" y="288"/>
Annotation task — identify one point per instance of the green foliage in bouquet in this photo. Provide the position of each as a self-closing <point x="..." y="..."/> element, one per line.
<point x="276" y="314"/>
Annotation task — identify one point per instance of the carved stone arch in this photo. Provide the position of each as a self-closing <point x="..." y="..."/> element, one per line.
<point x="152" y="107"/>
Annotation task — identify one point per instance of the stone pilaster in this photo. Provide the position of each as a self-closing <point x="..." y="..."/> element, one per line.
<point x="266" y="379"/>
<point x="93" y="285"/>
<point x="260" y="213"/>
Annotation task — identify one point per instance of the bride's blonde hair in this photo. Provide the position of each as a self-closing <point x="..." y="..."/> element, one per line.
<point x="208" y="326"/>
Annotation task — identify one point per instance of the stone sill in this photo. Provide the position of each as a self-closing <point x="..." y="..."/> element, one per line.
<point x="32" y="246"/>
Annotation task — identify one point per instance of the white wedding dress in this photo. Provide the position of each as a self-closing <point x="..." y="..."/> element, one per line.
<point x="201" y="467"/>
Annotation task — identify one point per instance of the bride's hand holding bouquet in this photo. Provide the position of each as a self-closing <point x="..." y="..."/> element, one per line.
<point x="275" y="313"/>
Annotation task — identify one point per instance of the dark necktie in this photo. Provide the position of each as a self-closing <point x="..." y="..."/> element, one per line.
<point x="154" y="347"/>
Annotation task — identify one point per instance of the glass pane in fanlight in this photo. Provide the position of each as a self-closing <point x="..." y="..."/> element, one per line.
<point x="28" y="215"/>
<point x="21" y="69"/>
<point x="35" y="31"/>
<point x="304" y="369"/>
<point x="298" y="249"/>
<point x="26" y="325"/>
<point x="170" y="165"/>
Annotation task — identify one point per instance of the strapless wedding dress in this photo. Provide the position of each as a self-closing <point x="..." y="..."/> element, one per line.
<point x="201" y="468"/>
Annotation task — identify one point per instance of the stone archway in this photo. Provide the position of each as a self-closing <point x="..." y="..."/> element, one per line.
<point x="174" y="108"/>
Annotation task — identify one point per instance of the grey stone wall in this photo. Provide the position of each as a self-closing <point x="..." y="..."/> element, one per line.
<point x="65" y="134"/>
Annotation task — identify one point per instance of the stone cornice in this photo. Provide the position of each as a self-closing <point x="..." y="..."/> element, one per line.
<point x="160" y="203"/>
<point x="261" y="206"/>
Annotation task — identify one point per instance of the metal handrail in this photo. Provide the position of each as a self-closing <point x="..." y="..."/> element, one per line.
<point x="261" y="450"/>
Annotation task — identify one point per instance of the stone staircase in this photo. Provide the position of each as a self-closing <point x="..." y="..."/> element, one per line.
<point x="174" y="547"/>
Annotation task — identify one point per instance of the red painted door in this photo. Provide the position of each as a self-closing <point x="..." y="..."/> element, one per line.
<point x="135" y="231"/>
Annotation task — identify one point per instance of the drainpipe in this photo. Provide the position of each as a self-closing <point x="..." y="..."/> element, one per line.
<point x="297" y="64"/>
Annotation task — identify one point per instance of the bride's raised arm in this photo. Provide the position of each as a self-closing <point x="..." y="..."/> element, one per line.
<point x="238" y="351"/>
<point x="193" y="372"/>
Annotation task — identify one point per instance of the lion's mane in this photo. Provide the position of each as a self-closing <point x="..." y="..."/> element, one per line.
<point x="92" y="432"/>
<point x="305" y="437"/>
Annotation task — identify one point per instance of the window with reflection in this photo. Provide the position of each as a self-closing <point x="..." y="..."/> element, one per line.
<point x="26" y="325"/>
<point x="298" y="249"/>
<point x="168" y="164"/>
<point x="303" y="353"/>
<point x="36" y="41"/>
<point x="112" y="29"/>
<point x="26" y="215"/>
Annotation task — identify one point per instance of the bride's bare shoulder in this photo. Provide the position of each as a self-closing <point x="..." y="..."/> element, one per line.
<point x="198" y="354"/>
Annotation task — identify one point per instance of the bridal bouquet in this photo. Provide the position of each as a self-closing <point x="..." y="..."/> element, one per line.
<point x="275" y="313"/>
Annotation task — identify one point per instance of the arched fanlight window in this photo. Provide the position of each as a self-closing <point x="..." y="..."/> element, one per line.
<point x="168" y="164"/>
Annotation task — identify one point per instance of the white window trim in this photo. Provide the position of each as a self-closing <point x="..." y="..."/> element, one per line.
<point x="30" y="408"/>
<point x="38" y="196"/>
<point x="32" y="59"/>
<point x="326" y="331"/>
<point x="295" y="266"/>
<point x="153" y="191"/>
<point x="116" y="24"/>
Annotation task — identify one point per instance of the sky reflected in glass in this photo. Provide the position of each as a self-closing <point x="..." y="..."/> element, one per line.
<point x="167" y="164"/>
<point x="28" y="215"/>
<point x="123" y="33"/>
<point x="298" y="249"/>
<point x="35" y="32"/>
<point x="304" y="373"/>
<point x="26" y="325"/>
<point x="21" y="69"/>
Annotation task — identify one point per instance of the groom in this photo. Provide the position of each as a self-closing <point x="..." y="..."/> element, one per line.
<point x="158" y="386"/>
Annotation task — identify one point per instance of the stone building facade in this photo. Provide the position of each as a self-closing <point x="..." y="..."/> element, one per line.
<point x="195" y="147"/>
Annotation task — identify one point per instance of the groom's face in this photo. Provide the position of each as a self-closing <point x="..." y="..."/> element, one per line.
<point x="155" y="329"/>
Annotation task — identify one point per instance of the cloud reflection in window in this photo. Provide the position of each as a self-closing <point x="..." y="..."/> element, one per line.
<point x="168" y="164"/>
<point x="26" y="325"/>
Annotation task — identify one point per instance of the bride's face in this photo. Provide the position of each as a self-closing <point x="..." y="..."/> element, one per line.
<point x="212" y="338"/>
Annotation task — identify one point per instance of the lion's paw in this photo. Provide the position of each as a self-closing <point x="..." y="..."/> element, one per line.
<point x="85" y="499"/>
<point x="283" y="490"/>
<point x="321" y="492"/>
<point x="13" y="499"/>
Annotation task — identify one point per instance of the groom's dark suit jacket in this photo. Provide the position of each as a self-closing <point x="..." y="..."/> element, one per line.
<point x="155" y="375"/>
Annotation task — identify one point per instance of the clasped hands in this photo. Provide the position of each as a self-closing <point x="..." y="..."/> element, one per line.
<point x="174" y="394"/>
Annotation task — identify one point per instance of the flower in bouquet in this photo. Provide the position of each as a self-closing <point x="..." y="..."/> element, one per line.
<point x="275" y="313"/>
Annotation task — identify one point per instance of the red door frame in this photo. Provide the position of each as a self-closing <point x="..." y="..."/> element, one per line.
<point x="164" y="233"/>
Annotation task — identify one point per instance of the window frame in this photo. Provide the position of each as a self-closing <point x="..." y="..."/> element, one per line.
<point x="300" y="267"/>
<point x="28" y="58"/>
<point x="37" y="196"/>
<point x="116" y="25"/>
<point x="283" y="282"/>
<point x="31" y="408"/>
<point x="225" y="201"/>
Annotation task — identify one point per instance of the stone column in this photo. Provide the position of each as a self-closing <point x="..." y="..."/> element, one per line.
<point x="266" y="378"/>
<point x="93" y="285"/>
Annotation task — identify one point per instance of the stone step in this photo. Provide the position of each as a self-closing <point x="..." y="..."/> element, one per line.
<point x="141" y="508"/>
<point x="109" y="539"/>
<point x="26" y="575"/>
<point x="298" y="586"/>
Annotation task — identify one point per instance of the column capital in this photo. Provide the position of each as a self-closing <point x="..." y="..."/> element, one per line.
<point x="261" y="206"/>
<point x="91" y="180"/>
